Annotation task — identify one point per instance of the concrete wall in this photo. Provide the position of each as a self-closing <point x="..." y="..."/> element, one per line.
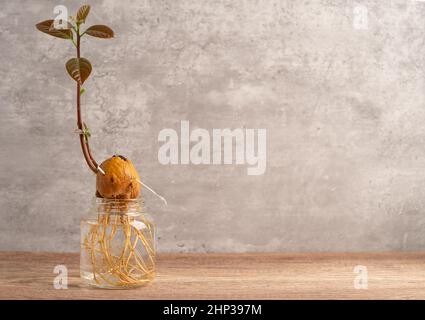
<point x="339" y="89"/>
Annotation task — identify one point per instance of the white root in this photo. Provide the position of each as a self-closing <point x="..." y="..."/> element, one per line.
<point x="153" y="191"/>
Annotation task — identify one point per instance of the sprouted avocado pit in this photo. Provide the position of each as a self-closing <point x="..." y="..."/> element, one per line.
<point x="117" y="246"/>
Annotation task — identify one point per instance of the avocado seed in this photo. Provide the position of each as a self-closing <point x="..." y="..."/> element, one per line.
<point x="120" y="180"/>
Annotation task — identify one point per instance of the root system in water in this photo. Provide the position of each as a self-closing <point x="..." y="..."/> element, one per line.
<point x="117" y="250"/>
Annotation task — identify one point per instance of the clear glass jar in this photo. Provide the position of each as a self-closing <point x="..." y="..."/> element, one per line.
<point x="117" y="245"/>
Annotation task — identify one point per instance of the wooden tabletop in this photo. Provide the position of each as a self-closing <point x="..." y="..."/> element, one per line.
<point x="228" y="276"/>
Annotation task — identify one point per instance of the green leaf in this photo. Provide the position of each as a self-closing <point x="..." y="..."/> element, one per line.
<point x="48" y="27"/>
<point x="82" y="13"/>
<point x="82" y="91"/>
<point x="86" y="132"/>
<point x="100" y="31"/>
<point x="79" y="69"/>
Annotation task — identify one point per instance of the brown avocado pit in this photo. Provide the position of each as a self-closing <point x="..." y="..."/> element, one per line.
<point x="120" y="181"/>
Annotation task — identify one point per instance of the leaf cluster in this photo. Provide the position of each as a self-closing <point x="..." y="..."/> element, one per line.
<point x="78" y="68"/>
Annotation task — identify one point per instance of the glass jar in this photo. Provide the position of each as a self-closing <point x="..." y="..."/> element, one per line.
<point x="117" y="245"/>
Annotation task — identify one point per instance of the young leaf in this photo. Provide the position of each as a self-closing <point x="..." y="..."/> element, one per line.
<point x="86" y="132"/>
<point x="47" y="27"/>
<point x="100" y="31"/>
<point x="82" y="13"/>
<point x="79" y="69"/>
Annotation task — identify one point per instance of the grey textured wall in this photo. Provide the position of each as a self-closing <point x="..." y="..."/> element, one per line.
<point x="342" y="102"/>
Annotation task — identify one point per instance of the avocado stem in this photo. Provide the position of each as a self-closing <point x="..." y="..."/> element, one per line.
<point x="83" y="140"/>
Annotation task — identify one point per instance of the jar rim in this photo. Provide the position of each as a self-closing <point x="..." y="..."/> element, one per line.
<point x="129" y="207"/>
<point x="117" y="200"/>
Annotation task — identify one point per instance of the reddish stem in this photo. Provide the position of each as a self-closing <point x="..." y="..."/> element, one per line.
<point x="83" y="139"/>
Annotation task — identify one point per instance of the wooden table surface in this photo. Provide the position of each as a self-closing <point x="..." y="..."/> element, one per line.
<point x="228" y="276"/>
